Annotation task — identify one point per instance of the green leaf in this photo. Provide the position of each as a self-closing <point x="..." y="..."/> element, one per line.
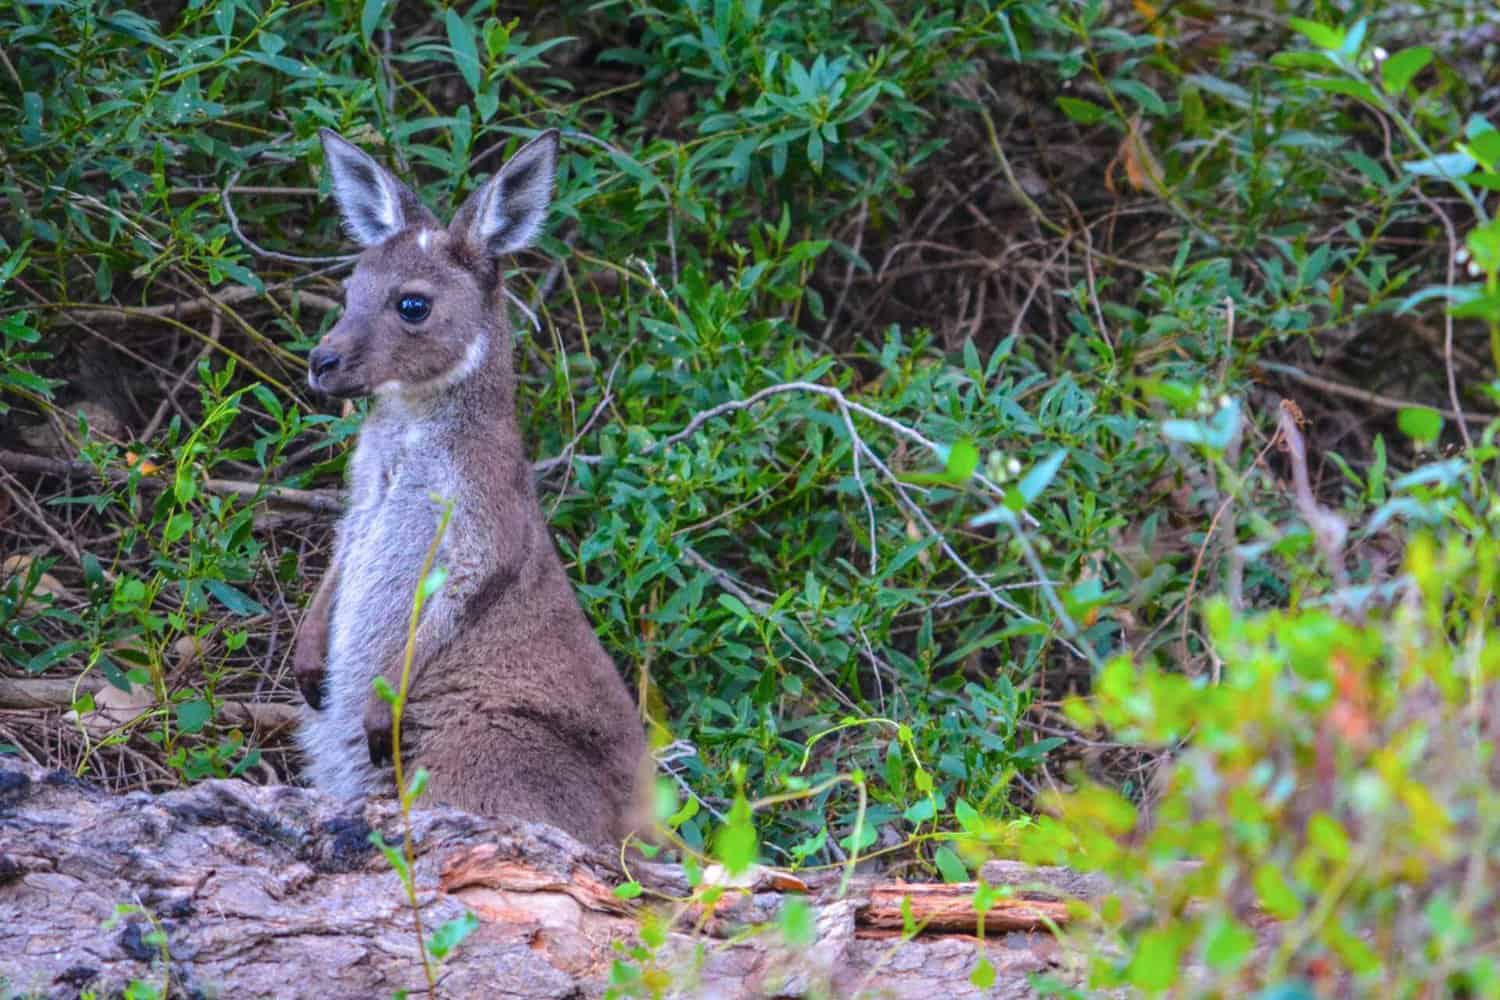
<point x="1445" y="165"/>
<point x="417" y="785"/>
<point x="1322" y="35"/>
<point x="1082" y="112"/>
<point x="859" y="839"/>
<point x="810" y="846"/>
<point x="433" y="582"/>
<point x="451" y="934"/>
<point x="1349" y="88"/>
<point x="627" y="890"/>
<point x="465" y="47"/>
<point x="796" y="920"/>
<point x="1354" y="40"/>
<point x="736" y="844"/>
<point x="1035" y="481"/>
<point x="1154" y="965"/>
<point x="920" y="811"/>
<point x="193" y="715"/>
<point x="967" y="817"/>
<point x="949" y="865"/>
<point x="983" y="975"/>
<point x="178" y="525"/>
<point x="369" y="19"/>
<point x="1276" y="895"/>
<point x="1397" y="71"/>
<point x="383" y="690"/>
<point x="1420" y="424"/>
<point x="963" y="459"/>
<point x="1227" y="944"/>
<point x="1476" y="126"/>
<point x="1325" y="833"/>
<point x="1485" y="148"/>
<point x="183" y="486"/>
<point x="1150" y="102"/>
<point x="1358" y="955"/>
<point x="233" y="598"/>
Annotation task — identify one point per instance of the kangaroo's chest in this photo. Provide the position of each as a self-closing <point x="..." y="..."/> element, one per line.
<point x="398" y="483"/>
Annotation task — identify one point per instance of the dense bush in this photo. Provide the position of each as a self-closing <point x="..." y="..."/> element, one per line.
<point x="891" y="369"/>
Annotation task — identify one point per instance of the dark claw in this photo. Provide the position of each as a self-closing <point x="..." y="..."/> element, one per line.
<point x="311" y="686"/>
<point x="379" y="741"/>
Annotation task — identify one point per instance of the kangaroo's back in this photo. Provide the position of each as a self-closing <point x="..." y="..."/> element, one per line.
<point x="513" y="706"/>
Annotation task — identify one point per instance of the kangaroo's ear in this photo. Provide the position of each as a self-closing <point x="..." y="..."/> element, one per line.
<point x="508" y="210"/>
<point x="374" y="205"/>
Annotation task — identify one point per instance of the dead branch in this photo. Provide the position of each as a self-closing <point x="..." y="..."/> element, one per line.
<point x="205" y="303"/>
<point x="322" y="501"/>
<point x="1327" y="527"/>
<point x="52" y="693"/>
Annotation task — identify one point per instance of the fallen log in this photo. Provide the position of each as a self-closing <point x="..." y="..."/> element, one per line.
<point x="233" y="889"/>
<point x="950" y="908"/>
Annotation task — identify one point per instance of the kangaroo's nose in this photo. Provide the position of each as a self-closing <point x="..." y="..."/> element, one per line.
<point x="322" y="361"/>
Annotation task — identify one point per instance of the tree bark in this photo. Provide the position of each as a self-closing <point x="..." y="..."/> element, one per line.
<point x="238" y="890"/>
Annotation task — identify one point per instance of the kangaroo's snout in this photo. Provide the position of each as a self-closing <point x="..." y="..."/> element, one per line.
<point x="322" y="361"/>
<point x="331" y="370"/>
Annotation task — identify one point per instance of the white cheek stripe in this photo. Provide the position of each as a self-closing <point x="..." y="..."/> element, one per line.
<point x="470" y="363"/>
<point x="473" y="358"/>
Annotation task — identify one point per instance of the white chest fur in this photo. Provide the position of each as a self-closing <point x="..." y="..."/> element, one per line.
<point x="398" y="473"/>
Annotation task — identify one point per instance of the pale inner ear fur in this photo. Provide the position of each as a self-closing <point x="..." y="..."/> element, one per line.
<point x="370" y="199"/>
<point x="507" y="213"/>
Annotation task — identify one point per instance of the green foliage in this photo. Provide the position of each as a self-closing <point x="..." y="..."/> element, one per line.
<point x="1339" y="780"/>
<point x="687" y="295"/>
<point x="906" y="370"/>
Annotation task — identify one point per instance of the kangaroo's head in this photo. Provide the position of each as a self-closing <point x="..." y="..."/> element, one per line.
<point x="424" y="309"/>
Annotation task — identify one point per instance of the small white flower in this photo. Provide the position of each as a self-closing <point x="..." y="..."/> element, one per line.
<point x="1380" y="54"/>
<point x="1204" y="407"/>
<point x="1225" y="401"/>
<point x="1462" y="255"/>
<point x="1473" y="269"/>
<point x="1013" y="466"/>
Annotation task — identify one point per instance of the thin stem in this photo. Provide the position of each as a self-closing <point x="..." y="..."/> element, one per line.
<point x="397" y="706"/>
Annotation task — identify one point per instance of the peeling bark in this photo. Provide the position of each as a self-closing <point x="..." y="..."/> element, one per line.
<point x="276" y="892"/>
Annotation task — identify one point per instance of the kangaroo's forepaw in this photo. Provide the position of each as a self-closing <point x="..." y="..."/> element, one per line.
<point x="310" y="684"/>
<point x="378" y="733"/>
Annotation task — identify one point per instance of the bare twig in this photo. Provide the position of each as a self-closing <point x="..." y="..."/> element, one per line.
<point x="1365" y="396"/>
<point x="205" y="303"/>
<point x="44" y="693"/>
<point x="322" y="501"/>
<point x="854" y="259"/>
<point x="256" y="248"/>
<point x="216" y="329"/>
<point x="846" y="407"/>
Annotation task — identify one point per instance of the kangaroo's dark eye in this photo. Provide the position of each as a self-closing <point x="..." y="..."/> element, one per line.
<point x="413" y="308"/>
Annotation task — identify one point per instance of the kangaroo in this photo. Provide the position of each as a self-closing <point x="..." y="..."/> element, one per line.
<point x="514" y="708"/>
